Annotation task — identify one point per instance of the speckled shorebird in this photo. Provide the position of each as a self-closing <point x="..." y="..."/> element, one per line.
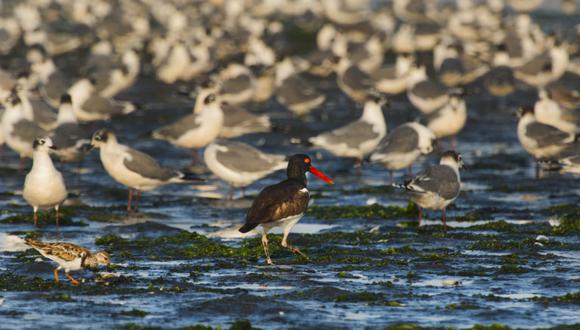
<point x="438" y="186"/>
<point x="239" y="164"/>
<point x="283" y="204"/>
<point x="69" y="137"/>
<point x="44" y="186"/>
<point x="403" y="146"/>
<point x="69" y="257"/>
<point x="132" y="168"/>
<point x="196" y="130"/>
<point x="359" y="138"/>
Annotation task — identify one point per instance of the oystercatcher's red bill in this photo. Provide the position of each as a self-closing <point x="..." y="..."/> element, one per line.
<point x="319" y="174"/>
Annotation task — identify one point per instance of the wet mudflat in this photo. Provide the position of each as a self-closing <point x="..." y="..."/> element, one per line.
<point x="511" y="254"/>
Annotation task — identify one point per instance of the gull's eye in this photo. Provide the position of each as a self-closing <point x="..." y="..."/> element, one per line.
<point x="41" y="141"/>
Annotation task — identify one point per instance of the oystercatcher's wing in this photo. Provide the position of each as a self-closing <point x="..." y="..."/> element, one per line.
<point x="279" y="201"/>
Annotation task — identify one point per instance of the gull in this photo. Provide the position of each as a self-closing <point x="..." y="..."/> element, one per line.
<point x="438" y="186"/>
<point x="548" y="111"/>
<point x="402" y="146"/>
<point x="133" y="168"/>
<point x="426" y="94"/>
<point x="239" y="164"/>
<point x="88" y="105"/>
<point x="237" y="84"/>
<point x="69" y="257"/>
<point x="540" y="140"/>
<point x="69" y="137"/>
<point x="450" y="119"/>
<point x="18" y="131"/>
<point x="392" y="80"/>
<point x="295" y="92"/>
<point x="358" y="138"/>
<point x="239" y="122"/>
<point x="196" y="130"/>
<point x="44" y="186"/>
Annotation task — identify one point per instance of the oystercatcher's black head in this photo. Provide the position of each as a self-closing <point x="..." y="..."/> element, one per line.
<point x="299" y="164"/>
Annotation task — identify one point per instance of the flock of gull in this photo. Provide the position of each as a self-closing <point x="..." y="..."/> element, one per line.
<point x="241" y="53"/>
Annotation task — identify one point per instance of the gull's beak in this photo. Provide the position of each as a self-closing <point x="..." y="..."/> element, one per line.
<point x="319" y="174"/>
<point x="53" y="148"/>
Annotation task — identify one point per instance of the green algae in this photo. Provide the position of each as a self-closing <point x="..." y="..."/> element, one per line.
<point x="461" y="306"/>
<point x="45" y="218"/>
<point x="495" y="243"/>
<point x="564" y="211"/>
<point x="61" y="298"/>
<point x="374" y="211"/>
<point x="10" y="282"/>
<point x="567" y="226"/>
<point x="493" y="326"/>
<point x="569" y="298"/>
<point x="500" y="225"/>
<point x="133" y="313"/>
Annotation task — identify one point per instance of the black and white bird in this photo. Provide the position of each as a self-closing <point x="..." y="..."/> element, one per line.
<point x="295" y="92"/>
<point x="239" y="164"/>
<point x="44" y="185"/>
<point x="450" y="119"/>
<point x="283" y="204"/>
<point x="69" y="138"/>
<point x="550" y="112"/>
<point x="237" y="84"/>
<point x="402" y="146"/>
<point x="195" y="130"/>
<point x="132" y="168"/>
<point x="540" y="140"/>
<point x="88" y="105"/>
<point x="437" y="186"/>
<point x="358" y="138"/>
<point x="18" y="129"/>
<point x="426" y="94"/>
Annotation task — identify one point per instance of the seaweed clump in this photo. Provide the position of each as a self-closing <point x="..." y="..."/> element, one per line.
<point x="374" y="211"/>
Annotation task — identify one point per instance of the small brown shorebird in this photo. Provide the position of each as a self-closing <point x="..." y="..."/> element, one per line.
<point x="283" y="204"/>
<point x="69" y="257"/>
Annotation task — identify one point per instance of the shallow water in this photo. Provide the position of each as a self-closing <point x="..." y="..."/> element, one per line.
<point x="365" y="271"/>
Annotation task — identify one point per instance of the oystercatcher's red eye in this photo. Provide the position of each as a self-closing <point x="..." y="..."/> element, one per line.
<point x="307" y="160"/>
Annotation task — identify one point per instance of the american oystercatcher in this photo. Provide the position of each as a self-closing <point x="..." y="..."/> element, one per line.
<point x="283" y="204"/>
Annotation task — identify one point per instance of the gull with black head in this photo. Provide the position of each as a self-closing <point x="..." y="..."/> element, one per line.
<point x="437" y="186"/>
